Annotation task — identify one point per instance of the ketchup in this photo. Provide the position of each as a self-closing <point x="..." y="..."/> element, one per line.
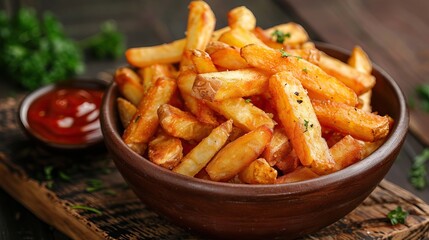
<point x="67" y="115"/>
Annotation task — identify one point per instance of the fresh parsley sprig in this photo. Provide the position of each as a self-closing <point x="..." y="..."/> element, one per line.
<point x="418" y="173"/>
<point x="397" y="216"/>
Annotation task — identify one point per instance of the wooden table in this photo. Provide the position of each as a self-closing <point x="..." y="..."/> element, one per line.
<point x="394" y="33"/>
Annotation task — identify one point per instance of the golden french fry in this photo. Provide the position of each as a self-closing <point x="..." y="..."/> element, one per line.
<point x="351" y="120"/>
<point x="201" y="154"/>
<point x="300" y="174"/>
<point x="300" y="122"/>
<point x="151" y="73"/>
<point x="370" y="147"/>
<point x="202" y="61"/>
<point x="245" y="115"/>
<point x="237" y="155"/>
<point x="267" y="39"/>
<point x="126" y="111"/>
<point x="289" y="163"/>
<point x="278" y="148"/>
<point x="346" y="152"/>
<point x="165" y="53"/>
<point x="318" y="84"/>
<point x="258" y="172"/>
<point x="226" y="56"/>
<point x="241" y="17"/>
<point x="239" y="37"/>
<point x="129" y="85"/>
<point x="182" y="124"/>
<point x="201" y="24"/>
<point x="312" y="55"/>
<point x="165" y="150"/>
<point x="218" y="86"/>
<point x="361" y="62"/>
<point x="295" y="33"/>
<point x="195" y="106"/>
<point x="145" y="122"/>
<point x="352" y="78"/>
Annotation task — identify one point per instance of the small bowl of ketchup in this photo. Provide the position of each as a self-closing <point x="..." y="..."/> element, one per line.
<point x="64" y="115"/>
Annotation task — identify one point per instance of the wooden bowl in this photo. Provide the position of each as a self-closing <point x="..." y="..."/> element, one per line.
<point x="226" y="210"/>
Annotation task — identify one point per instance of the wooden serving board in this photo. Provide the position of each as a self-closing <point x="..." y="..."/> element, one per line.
<point x="53" y="185"/>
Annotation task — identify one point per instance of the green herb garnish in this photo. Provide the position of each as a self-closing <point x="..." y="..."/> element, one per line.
<point x="94" y="185"/>
<point x="418" y="173"/>
<point x="94" y="210"/>
<point x="107" y="44"/>
<point x="35" y="51"/>
<point x="248" y="100"/>
<point x="306" y="125"/>
<point x="280" y="36"/>
<point x="423" y="94"/>
<point x="64" y="176"/>
<point x="48" y="172"/>
<point x="284" y="53"/>
<point x="397" y="216"/>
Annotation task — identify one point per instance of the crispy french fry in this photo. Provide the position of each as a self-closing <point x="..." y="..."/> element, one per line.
<point x="278" y="148"/>
<point x="311" y="55"/>
<point x="245" y="115"/>
<point x="258" y="172"/>
<point x="346" y="152"/>
<point x="237" y="155"/>
<point x="126" y="111"/>
<point x="267" y="39"/>
<point x="202" y="61"/>
<point x="300" y="174"/>
<point x="165" y="150"/>
<point x="182" y="124"/>
<point x="165" y="53"/>
<point x="300" y="122"/>
<point x="239" y="37"/>
<point x="318" y="84"/>
<point x="201" y="24"/>
<point x="352" y="78"/>
<point x="196" y="106"/>
<point x="361" y="62"/>
<point x="350" y="120"/>
<point x="226" y="56"/>
<point x="199" y="156"/>
<point x="129" y="85"/>
<point x="218" y="86"/>
<point x="370" y="147"/>
<point x="296" y="34"/>
<point x="145" y="122"/>
<point x="289" y="163"/>
<point x="241" y="17"/>
<point x="151" y="73"/>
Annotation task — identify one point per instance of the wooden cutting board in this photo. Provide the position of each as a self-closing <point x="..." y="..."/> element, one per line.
<point x="55" y="187"/>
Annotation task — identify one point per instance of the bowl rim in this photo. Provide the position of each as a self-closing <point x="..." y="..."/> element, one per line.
<point x="25" y="103"/>
<point x="146" y="168"/>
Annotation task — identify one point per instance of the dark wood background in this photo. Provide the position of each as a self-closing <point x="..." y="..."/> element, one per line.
<point x="394" y="32"/>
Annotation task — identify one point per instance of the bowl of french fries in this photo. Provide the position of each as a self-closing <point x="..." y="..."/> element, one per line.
<point x="250" y="132"/>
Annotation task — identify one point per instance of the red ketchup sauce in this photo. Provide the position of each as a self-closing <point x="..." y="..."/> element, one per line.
<point x="67" y="115"/>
